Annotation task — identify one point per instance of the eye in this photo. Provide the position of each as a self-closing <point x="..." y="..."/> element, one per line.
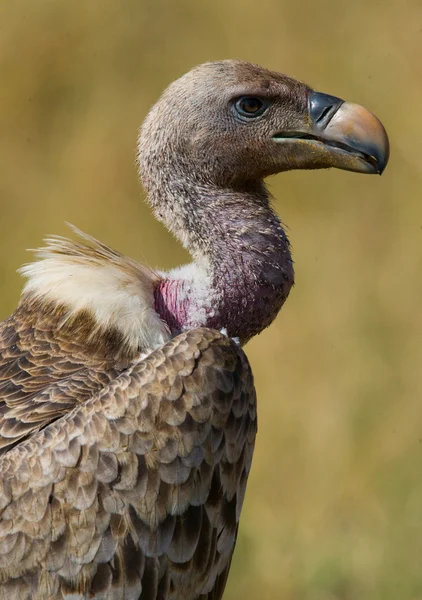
<point x="250" y="106"/>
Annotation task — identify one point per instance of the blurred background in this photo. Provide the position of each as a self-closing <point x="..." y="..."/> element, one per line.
<point x="334" y="503"/>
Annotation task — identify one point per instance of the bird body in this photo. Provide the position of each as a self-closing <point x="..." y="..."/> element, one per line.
<point x="127" y="404"/>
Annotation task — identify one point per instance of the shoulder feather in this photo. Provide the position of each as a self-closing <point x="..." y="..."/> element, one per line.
<point x="89" y="277"/>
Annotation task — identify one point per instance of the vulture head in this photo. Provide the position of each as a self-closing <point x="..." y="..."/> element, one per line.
<point x="204" y="151"/>
<point x="232" y="123"/>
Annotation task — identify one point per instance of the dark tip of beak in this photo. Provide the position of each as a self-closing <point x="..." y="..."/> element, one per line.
<point x="322" y="108"/>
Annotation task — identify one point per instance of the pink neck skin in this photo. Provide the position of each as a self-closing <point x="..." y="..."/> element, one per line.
<point x="172" y="303"/>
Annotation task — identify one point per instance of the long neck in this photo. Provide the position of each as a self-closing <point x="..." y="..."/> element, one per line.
<point x="242" y="269"/>
<point x="252" y="266"/>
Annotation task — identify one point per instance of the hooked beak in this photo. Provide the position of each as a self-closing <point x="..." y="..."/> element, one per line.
<point x="339" y="134"/>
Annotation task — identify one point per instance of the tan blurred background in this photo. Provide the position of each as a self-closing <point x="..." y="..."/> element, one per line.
<point x="334" y="504"/>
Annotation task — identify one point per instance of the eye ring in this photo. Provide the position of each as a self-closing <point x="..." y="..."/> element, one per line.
<point x="250" y="107"/>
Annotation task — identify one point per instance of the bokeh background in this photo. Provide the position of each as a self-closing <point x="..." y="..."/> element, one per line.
<point x="334" y="504"/>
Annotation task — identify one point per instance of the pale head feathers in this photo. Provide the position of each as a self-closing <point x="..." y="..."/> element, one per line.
<point x="89" y="277"/>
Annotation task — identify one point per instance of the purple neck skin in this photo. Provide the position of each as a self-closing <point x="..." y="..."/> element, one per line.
<point x="250" y="270"/>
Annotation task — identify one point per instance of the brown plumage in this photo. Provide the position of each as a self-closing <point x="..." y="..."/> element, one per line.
<point x="127" y="419"/>
<point x="137" y="486"/>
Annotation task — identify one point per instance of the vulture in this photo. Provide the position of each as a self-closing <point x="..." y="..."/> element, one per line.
<point x="127" y="404"/>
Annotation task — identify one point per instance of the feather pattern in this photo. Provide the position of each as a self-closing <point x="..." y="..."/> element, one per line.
<point x="123" y="482"/>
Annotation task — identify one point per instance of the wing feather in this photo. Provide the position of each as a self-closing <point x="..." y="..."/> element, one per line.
<point x="44" y="373"/>
<point x="132" y="488"/>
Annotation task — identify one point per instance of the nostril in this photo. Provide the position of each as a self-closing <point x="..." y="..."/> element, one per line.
<point x="324" y="113"/>
<point x="322" y="108"/>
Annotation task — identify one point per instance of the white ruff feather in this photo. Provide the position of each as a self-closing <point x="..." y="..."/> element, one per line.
<point x="116" y="291"/>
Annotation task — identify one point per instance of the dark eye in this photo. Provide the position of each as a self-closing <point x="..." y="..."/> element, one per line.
<point x="250" y="106"/>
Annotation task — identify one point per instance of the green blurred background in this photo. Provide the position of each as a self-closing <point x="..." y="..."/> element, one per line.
<point x="334" y="504"/>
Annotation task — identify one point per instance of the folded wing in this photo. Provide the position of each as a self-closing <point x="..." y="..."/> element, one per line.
<point x="135" y="491"/>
